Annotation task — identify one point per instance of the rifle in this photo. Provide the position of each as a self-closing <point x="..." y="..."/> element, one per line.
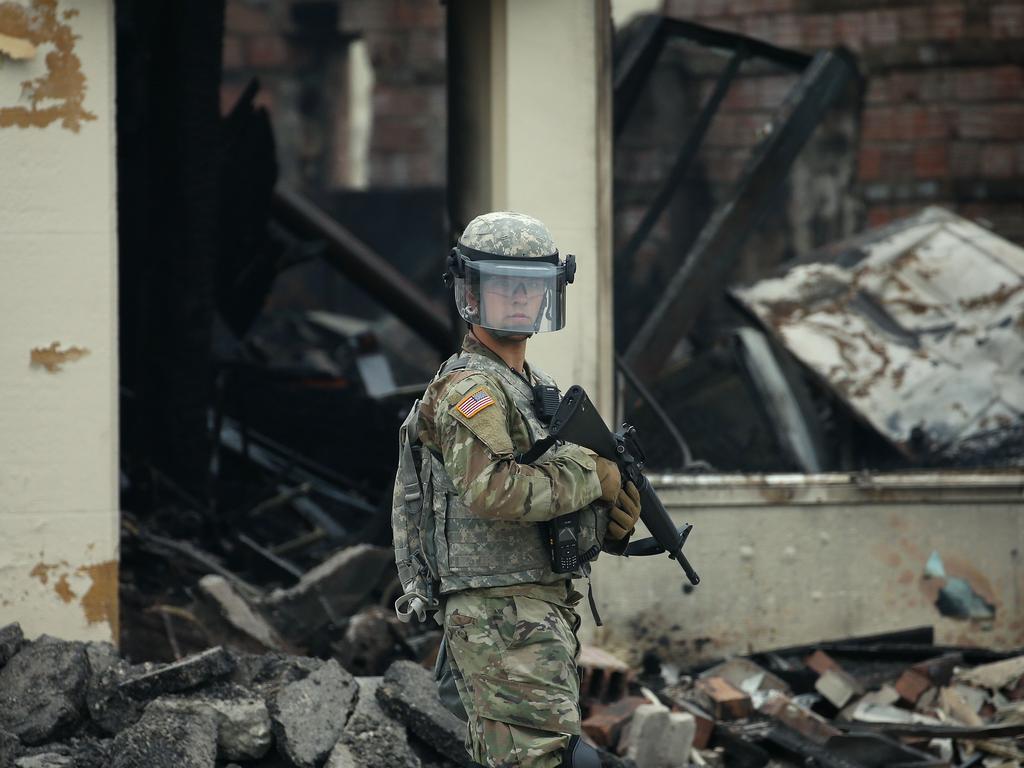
<point x="577" y="421"/>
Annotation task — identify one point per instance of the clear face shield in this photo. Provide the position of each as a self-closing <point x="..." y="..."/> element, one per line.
<point x="516" y="296"/>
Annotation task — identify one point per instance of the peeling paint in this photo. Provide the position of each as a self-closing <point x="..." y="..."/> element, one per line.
<point x="100" y="602"/>
<point x="63" y="589"/>
<point x="52" y="358"/>
<point x="64" y="84"/>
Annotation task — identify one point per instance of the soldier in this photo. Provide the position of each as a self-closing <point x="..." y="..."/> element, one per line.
<point x="509" y="619"/>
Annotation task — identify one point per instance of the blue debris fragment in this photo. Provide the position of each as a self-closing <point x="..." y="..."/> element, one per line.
<point x="934" y="567"/>
<point x="958" y="600"/>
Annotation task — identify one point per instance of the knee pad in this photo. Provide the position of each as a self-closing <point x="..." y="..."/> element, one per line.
<point x="579" y="754"/>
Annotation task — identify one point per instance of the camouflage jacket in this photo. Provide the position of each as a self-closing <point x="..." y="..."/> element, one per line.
<point x="474" y="420"/>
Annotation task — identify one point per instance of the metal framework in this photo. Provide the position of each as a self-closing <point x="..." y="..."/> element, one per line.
<point x="705" y="269"/>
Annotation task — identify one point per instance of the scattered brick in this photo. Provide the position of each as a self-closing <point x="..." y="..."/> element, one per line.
<point x="821" y="662"/>
<point x="605" y="722"/>
<point x="727" y="701"/>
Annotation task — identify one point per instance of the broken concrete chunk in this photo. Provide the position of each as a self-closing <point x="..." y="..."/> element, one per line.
<point x="645" y="736"/>
<point x="408" y="693"/>
<point x="309" y="715"/>
<point x="167" y="740"/>
<point x="726" y="701"/>
<point x="238" y="613"/>
<point x="42" y="690"/>
<point x="243" y="721"/>
<point x="268" y="673"/>
<point x="336" y="587"/>
<point x="837" y="687"/>
<point x="199" y="669"/>
<point x="102" y="656"/>
<point x="10" y="748"/>
<point x="11" y="640"/>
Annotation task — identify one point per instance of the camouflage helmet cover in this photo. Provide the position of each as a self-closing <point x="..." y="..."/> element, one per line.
<point x="505" y="233"/>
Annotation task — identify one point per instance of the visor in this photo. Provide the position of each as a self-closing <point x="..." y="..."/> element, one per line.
<point x="518" y="296"/>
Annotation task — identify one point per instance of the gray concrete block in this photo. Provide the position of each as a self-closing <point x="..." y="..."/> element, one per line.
<point x="11" y="640"/>
<point x="242" y="718"/>
<point x="42" y="690"/>
<point x="308" y="716"/>
<point x="167" y="740"/>
<point x="408" y="693"/>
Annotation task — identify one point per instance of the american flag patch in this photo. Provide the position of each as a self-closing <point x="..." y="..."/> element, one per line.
<point x="472" y="404"/>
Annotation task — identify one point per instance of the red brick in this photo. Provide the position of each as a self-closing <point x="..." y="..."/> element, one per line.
<point x="869" y="168"/>
<point x="418" y="13"/>
<point x="983" y="121"/>
<point x="811" y="725"/>
<point x="912" y="685"/>
<point x="605" y="722"/>
<point x="244" y="18"/>
<point x="879" y="215"/>
<point x="708" y="8"/>
<point x="818" y="30"/>
<point x="931" y="161"/>
<point x="914" y="24"/>
<point x="266" y="51"/>
<point x="233" y="54"/>
<point x="998" y="160"/>
<point x="947" y="21"/>
<point x="397" y="134"/>
<point x="851" y="29"/>
<point x="729" y="702"/>
<point x="1007" y="20"/>
<point x="990" y="84"/>
<point x="877" y="124"/>
<point x="964" y="159"/>
<point x="820" y="662"/>
<point x="367" y="15"/>
<point x="882" y="27"/>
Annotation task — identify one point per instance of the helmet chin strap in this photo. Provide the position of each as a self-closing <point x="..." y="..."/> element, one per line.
<point x="510" y="335"/>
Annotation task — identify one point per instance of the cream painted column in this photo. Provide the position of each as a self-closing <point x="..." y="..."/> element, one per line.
<point x="532" y="131"/>
<point x="58" y="306"/>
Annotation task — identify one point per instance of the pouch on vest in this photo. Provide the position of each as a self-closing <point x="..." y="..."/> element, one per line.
<point x="412" y="529"/>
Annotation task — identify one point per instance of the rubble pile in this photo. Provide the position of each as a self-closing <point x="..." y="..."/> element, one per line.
<point x="79" y="704"/>
<point x="842" y="705"/>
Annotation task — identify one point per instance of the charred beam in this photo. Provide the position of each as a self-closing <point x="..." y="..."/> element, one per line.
<point x="368" y="269"/>
<point x="707" y="266"/>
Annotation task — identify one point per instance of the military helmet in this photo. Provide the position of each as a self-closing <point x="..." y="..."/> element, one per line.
<point x="508" y="276"/>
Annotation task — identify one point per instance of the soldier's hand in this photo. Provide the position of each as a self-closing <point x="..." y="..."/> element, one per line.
<point x="611" y="481"/>
<point x="625" y="512"/>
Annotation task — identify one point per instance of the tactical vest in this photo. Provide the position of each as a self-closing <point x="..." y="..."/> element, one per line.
<point x="450" y="545"/>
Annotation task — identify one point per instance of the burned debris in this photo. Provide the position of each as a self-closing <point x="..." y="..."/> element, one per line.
<point x="877" y="702"/>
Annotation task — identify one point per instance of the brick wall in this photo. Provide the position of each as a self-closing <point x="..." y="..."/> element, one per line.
<point x="299" y="51"/>
<point x="942" y="119"/>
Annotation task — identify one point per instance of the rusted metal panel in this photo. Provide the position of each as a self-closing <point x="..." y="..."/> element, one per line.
<point x="918" y="326"/>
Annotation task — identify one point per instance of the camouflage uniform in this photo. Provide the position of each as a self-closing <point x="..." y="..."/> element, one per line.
<point x="510" y="629"/>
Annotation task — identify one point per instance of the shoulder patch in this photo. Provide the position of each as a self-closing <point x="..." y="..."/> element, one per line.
<point x="473" y="403"/>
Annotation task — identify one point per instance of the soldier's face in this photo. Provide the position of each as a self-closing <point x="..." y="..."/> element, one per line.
<point x="513" y="304"/>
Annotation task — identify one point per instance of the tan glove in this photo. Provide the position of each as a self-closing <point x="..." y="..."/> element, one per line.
<point x="608" y="476"/>
<point x="625" y="512"/>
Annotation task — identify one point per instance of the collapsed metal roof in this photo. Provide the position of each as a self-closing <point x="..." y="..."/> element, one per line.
<point x="918" y="326"/>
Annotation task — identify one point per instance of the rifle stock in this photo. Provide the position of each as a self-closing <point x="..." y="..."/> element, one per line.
<point x="577" y="421"/>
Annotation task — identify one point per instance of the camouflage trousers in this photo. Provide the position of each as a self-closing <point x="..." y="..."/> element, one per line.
<point x="514" y="664"/>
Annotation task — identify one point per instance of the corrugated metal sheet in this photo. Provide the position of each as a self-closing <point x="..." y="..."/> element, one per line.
<point x="919" y="326"/>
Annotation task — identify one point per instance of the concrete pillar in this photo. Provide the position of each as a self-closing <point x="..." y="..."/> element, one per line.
<point x="530" y="124"/>
<point x="58" y="306"/>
